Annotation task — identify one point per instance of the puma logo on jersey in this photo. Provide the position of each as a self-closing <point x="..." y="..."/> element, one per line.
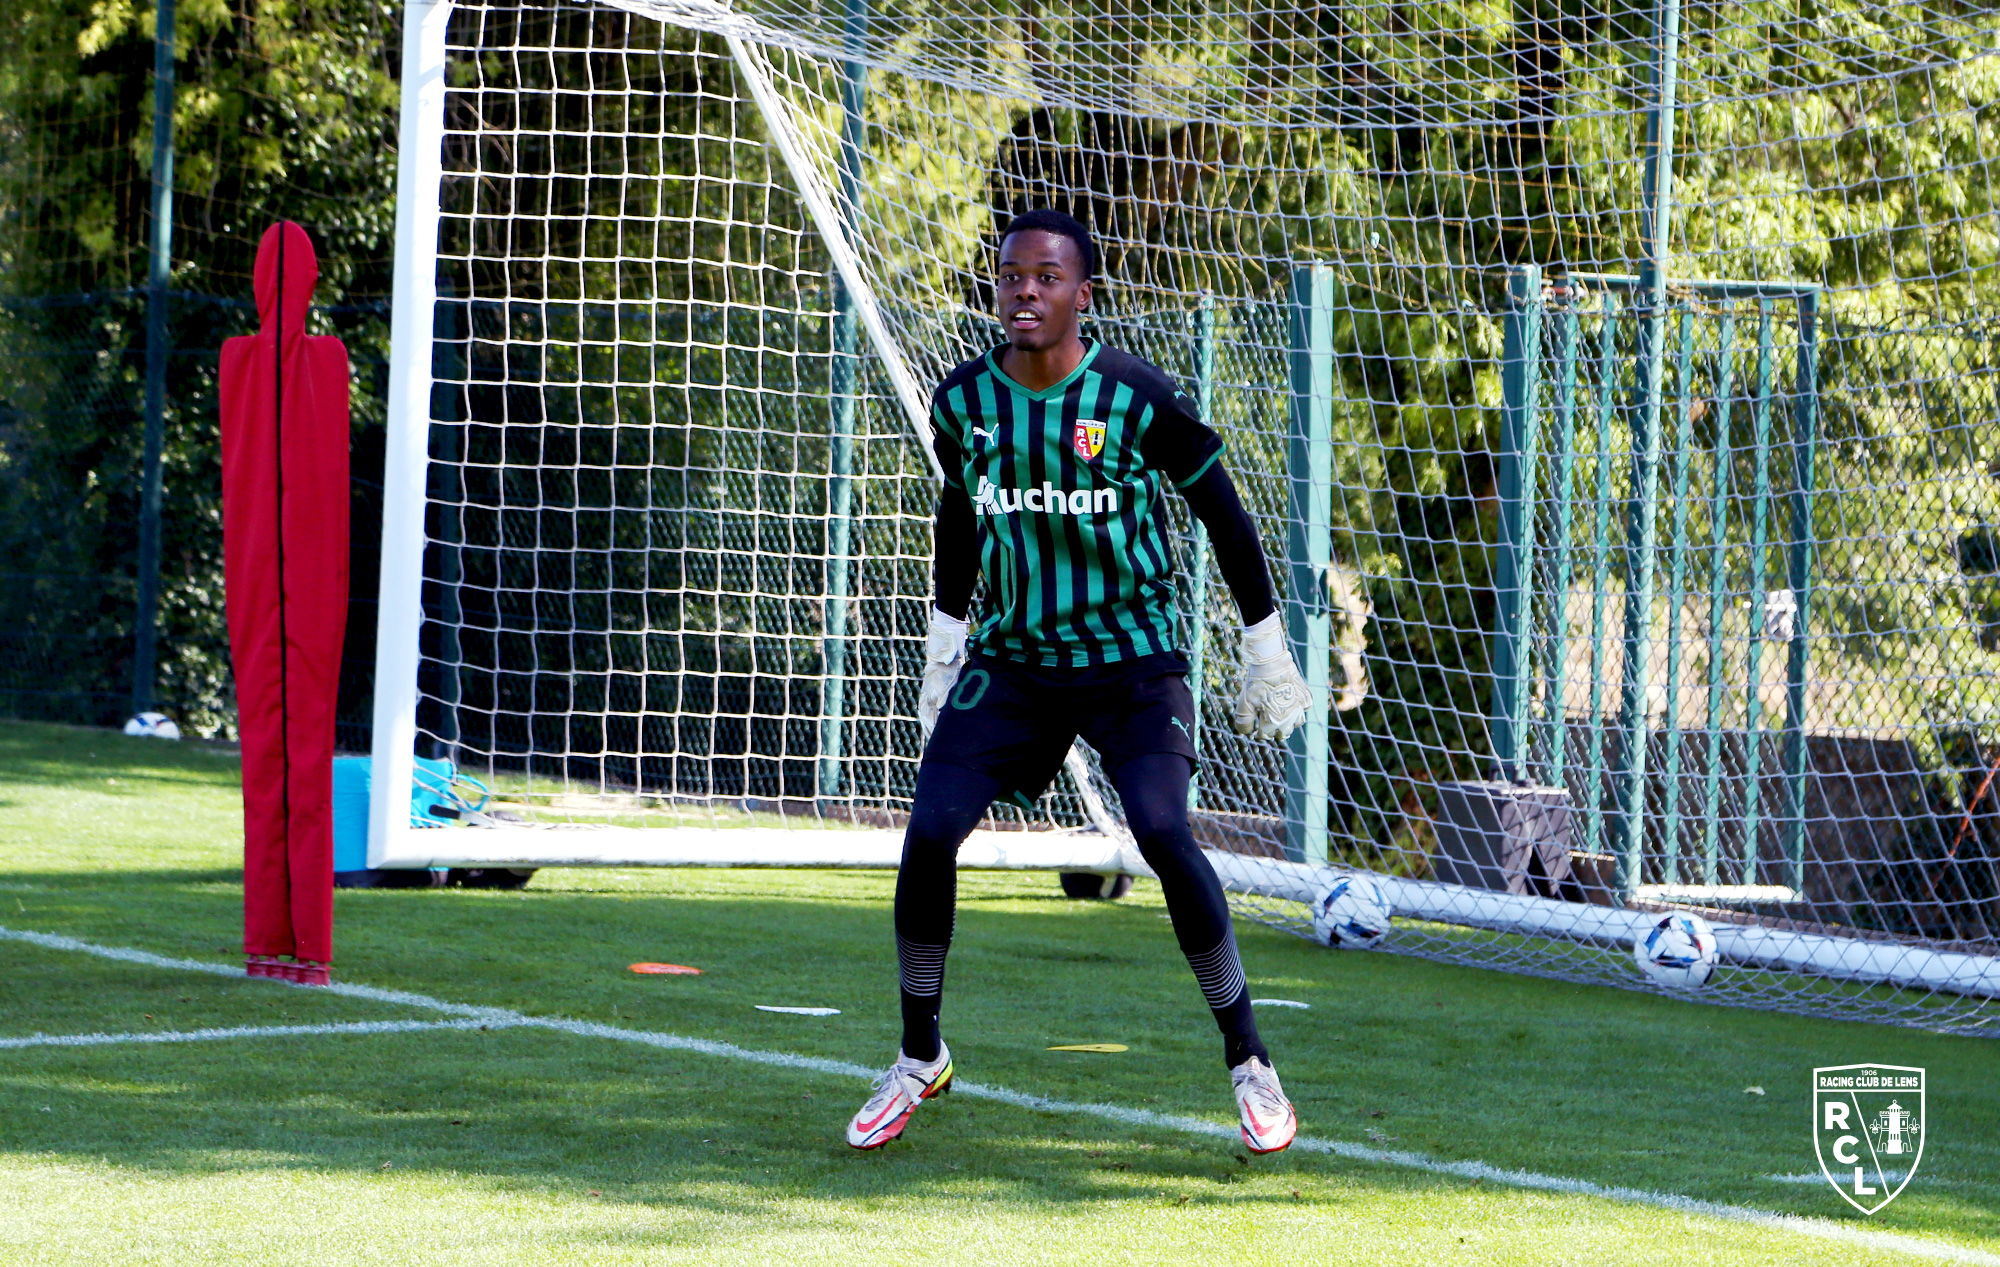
<point x="981" y="433"/>
<point x="1046" y="500"/>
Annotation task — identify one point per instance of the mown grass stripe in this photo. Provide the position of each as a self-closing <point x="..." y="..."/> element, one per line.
<point x="1819" y="1229"/>
<point x="252" y="1031"/>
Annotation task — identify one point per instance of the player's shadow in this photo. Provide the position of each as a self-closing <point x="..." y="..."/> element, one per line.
<point x="522" y="1110"/>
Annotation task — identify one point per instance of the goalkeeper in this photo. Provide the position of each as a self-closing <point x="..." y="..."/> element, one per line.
<point x="1057" y="453"/>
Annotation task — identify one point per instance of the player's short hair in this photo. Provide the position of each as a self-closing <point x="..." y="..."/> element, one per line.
<point x="1046" y="221"/>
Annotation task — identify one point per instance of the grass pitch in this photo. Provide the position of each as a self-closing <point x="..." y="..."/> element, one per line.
<point x="527" y="1145"/>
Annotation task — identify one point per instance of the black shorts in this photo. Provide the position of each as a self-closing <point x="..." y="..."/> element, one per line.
<point x="1015" y="722"/>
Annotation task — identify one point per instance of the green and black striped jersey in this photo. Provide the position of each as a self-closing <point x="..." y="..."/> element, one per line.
<point x="1068" y="486"/>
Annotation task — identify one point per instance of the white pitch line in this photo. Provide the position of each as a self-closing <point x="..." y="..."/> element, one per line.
<point x="1817" y="1228"/>
<point x="253" y="1031"/>
<point x="52" y="941"/>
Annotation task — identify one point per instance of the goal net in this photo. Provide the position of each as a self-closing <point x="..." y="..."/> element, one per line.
<point x="1613" y="390"/>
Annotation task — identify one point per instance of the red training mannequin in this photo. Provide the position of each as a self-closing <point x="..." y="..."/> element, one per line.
<point x="284" y="406"/>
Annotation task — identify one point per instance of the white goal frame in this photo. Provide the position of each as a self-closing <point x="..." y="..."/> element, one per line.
<point x="1102" y="848"/>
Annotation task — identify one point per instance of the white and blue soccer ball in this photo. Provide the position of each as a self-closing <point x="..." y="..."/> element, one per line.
<point x="1677" y="951"/>
<point x="1351" y="915"/>
<point x="153" y="726"/>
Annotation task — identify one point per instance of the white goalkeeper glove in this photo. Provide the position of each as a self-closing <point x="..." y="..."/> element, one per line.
<point x="944" y="656"/>
<point x="1275" y="696"/>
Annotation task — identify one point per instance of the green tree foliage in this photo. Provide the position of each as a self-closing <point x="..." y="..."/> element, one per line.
<point x="282" y="110"/>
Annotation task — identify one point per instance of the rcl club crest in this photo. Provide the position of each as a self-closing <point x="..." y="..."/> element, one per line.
<point x="1868" y="1129"/>
<point x="1089" y="439"/>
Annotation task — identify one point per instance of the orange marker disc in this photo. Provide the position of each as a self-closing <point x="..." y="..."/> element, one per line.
<point x="666" y="969"/>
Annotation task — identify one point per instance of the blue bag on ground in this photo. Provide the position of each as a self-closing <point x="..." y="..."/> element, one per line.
<point x="440" y="794"/>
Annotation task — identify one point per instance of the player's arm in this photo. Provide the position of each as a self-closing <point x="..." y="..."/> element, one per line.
<point x="954" y="572"/>
<point x="1234" y="543"/>
<point x="1275" y="697"/>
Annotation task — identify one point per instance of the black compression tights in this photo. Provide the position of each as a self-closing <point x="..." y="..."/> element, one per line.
<point x="949" y="803"/>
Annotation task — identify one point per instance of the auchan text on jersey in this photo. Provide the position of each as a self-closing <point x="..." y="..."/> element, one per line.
<point x="1048" y="499"/>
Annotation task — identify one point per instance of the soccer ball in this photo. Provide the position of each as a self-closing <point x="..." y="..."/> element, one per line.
<point x="1351" y="915"/>
<point x="1679" y="951"/>
<point x="153" y="726"/>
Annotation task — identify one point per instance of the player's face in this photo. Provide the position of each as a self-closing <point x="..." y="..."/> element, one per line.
<point x="1041" y="289"/>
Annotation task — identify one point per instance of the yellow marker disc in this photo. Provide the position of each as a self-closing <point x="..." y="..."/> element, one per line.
<point x="1105" y="1047"/>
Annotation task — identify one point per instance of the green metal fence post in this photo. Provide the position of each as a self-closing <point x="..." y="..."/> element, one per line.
<point x="1670" y="827"/>
<point x="1642" y="531"/>
<point x="1718" y="599"/>
<point x="1805" y="441"/>
<point x="845" y="374"/>
<point x="1569" y="338"/>
<point x="1600" y="570"/>
<point x="1514" y="566"/>
<point x="1204" y="403"/>
<point x="1753" y="653"/>
<point x="158" y="273"/>
<point x="1309" y="553"/>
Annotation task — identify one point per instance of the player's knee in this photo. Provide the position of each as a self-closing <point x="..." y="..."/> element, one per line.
<point x="1165" y="825"/>
<point x="1165" y="841"/>
<point x="935" y="832"/>
<point x="1154" y="791"/>
<point x="1159" y="820"/>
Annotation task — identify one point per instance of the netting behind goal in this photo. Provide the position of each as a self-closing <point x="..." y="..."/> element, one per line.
<point x="1640" y="531"/>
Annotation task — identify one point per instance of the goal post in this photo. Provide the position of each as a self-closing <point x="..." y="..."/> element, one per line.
<point x="1692" y="581"/>
<point x="406" y="454"/>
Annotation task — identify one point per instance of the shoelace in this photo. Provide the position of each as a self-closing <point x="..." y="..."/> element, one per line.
<point x="892" y="1081"/>
<point x="1261" y="1088"/>
<point x="889" y="1084"/>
